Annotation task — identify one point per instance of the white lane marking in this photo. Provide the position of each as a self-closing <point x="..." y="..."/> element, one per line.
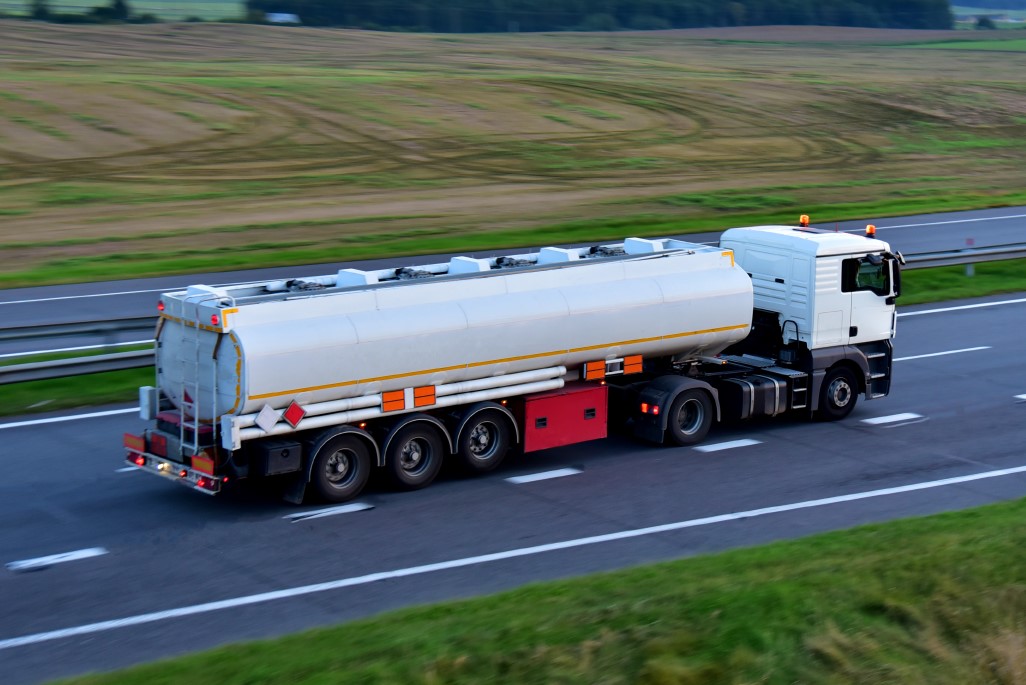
<point x="964" y="306"/>
<point x="43" y="562"/>
<point x="330" y="511"/>
<point x="127" y="469"/>
<point x="74" y="349"/>
<point x="955" y="221"/>
<point x="545" y="475"/>
<point x="58" y="419"/>
<point x="941" y="354"/>
<point x="299" y="591"/>
<point x="1020" y="397"/>
<point x="76" y="297"/>
<point x="726" y="445"/>
<point x="892" y="418"/>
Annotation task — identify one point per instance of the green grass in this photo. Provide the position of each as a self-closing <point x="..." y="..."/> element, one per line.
<point x="936" y="600"/>
<point x="74" y="392"/>
<point x="951" y="283"/>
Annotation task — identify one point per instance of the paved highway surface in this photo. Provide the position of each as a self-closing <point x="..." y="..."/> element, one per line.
<point x="108" y="567"/>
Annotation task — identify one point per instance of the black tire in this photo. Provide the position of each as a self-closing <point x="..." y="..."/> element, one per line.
<point x="341" y="468"/>
<point x="690" y="417"/>
<point x="838" y="395"/>
<point x="414" y="456"/>
<point x="484" y="441"/>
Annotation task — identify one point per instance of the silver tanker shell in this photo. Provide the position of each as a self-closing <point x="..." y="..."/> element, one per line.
<point x="318" y="348"/>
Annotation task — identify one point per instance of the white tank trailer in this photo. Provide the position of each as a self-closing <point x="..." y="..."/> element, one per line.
<point x="318" y="380"/>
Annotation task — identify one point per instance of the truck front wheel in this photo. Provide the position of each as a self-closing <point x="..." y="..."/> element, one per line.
<point x="690" y="417"/>
<point x="839" y="394"/>
<point x="414" y="456"/>
<point x="341" y="468"/>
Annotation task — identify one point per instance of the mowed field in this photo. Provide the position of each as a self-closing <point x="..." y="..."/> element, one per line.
<point x="145" y="149"/>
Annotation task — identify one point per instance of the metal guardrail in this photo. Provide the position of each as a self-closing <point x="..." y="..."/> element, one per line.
<point x="94" y="328"/>
<point x="966" y="255"/>
<point x="132" y="360"/>
<point x="77" y="366"/>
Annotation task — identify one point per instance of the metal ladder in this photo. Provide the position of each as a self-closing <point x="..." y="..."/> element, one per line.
<point x="191" y="401"/>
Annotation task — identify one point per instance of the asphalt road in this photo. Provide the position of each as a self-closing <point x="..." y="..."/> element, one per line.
<point x="174" y="571"/>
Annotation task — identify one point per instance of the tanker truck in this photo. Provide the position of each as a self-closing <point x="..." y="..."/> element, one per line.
<point x="317" y="381"/>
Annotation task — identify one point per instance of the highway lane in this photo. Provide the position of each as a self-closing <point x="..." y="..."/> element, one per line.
<point x="116" y="299"/>
<point x="169" y="549"/>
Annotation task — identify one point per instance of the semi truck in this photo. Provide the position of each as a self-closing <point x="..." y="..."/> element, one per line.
<point x="317" y="381"/>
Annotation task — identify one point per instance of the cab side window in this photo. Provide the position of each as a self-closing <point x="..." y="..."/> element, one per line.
<point x="865" y="273"/>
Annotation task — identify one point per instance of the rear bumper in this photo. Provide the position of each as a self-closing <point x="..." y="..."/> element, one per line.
<point x="180" y="473"/>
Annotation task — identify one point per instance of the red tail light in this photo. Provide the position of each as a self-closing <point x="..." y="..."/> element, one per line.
<point x="139" y="460"/>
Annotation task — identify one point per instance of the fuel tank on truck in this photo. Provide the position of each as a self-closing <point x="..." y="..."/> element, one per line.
<point x="233" y="350"/>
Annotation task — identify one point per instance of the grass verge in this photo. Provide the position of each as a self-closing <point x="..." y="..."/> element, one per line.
<point x="919" y="286"/>
<point x="936" y="600"/>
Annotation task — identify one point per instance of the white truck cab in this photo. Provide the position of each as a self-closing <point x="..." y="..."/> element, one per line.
<point x="827" y="288"/>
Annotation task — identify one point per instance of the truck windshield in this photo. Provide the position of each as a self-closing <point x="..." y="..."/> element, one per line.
<point x="866" y="273"/>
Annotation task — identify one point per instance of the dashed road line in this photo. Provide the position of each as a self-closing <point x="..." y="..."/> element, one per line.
<point x="287" y="593"/>
<point x="893" y="418"/>
<point x="716" y="447"/>
<point x="58" y="419"/>
<point x="941" y="354"/>
<point x="544" y="475"/>
<point x="127" y="469"/>
<point x="46" y="562"/>
<point x="330" y="511"/>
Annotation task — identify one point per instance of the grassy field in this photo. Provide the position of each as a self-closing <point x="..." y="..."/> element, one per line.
<point x="140" y="150"/>
<point x="930" y="601"/>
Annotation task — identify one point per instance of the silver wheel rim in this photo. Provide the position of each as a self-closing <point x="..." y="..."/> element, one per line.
<point x="415" y="456"/>
<point x="340" y="468"/>
<point x="690" y="416"/>
<point x="839" y="392"/>
<point x="482" y="441"/>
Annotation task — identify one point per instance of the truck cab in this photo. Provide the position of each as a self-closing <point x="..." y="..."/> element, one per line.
<point x="826" y="288"/>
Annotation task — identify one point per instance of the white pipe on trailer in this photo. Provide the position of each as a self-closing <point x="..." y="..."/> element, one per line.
<point x="367" y="414"/>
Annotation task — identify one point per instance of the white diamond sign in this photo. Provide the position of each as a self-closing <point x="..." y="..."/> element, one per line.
<point x="267" y="418"/>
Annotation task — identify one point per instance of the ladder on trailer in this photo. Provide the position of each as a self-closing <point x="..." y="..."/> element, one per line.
<point x="191" y="394"/>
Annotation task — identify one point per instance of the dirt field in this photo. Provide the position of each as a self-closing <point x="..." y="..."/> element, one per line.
<point x="145" y="149"/>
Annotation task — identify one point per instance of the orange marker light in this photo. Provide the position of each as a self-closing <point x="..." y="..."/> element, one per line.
<point x="871" y="230"/>
<point x="803" y="220"/>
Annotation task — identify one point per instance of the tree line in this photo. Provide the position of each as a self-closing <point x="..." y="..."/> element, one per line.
<point x="490" y="16"/>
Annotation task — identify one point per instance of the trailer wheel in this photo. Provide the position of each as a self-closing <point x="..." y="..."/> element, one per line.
<point x="414" y="456"/>
<point x="484" y="441"/>
<point x="690" y="417"/>
<point x="838" y="395"/>
<point x="341" y="468"/>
